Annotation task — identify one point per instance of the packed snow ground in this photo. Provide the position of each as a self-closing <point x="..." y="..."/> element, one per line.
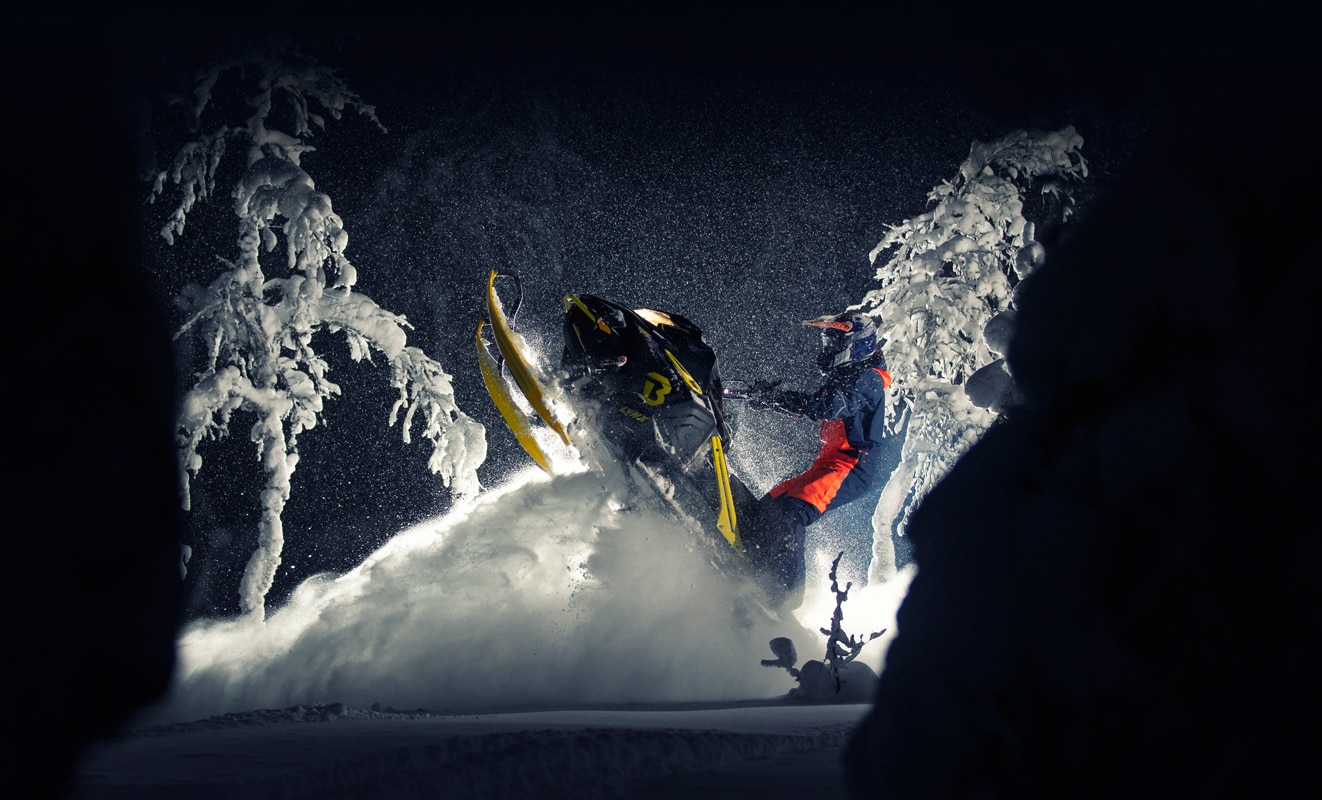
<point x="767" y="750"/>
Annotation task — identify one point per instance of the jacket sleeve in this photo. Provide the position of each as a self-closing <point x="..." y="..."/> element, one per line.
<point x="867" y="392"/>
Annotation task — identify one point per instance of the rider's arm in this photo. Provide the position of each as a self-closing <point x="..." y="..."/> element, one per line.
<point x="836" y="402"/>
<point x="831" y="402"/>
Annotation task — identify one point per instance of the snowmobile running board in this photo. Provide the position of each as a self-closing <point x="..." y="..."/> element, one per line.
<point x="727" y="523"/>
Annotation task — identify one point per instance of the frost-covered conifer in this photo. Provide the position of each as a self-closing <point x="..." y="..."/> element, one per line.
<point x="289" y="280"/>
<point x="951" y="271"/>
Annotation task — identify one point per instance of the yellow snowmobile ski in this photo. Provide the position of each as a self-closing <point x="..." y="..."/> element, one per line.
<point x="519" y="423"/>
<point x="521" y="370"/>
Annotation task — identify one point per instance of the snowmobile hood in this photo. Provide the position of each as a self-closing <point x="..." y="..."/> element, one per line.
<point x="602" y="335"/>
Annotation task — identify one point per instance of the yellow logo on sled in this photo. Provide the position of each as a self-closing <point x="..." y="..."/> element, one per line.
<point x="655" y="389"/>
<point x="634" y="414"/>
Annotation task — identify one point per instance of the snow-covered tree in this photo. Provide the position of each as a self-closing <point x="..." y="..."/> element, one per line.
<point x="950" y="272"/>
<point x="290" y="280"/>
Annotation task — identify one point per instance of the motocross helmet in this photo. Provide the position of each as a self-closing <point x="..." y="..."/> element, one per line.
<point x="846" y="338"/>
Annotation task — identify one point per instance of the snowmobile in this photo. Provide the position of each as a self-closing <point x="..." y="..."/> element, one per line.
<point x="644" y="389"/>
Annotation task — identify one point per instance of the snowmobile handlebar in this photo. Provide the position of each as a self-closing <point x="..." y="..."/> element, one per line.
<point x="761" y="395"/>
<point x="748" y="390"/>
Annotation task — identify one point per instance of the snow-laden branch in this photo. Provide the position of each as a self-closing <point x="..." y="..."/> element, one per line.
<point x="948" y="273"/>
<point x="458" y="442"/>
<point x="258" y="328"/>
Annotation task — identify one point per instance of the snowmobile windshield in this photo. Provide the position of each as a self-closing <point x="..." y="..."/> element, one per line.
<point x="600" y="336"/>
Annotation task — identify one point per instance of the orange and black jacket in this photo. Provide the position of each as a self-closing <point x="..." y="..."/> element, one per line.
<point x="851" y="407"/>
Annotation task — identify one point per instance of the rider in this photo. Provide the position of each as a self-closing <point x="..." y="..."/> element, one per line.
<point x="851" y="406"/>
